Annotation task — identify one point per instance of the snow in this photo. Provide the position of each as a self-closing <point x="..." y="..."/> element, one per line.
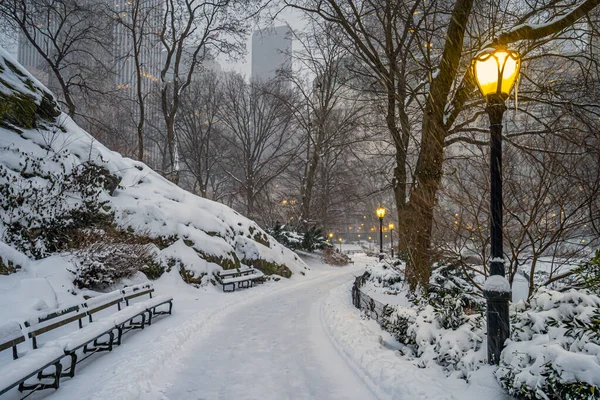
<point x="497" y="283"/>
<point x="144" y="202"/>
<point x="393" y="377"/>
<point x="103" y="299"/>
<point x="7" y="254"/>
<point x="10" y="331"/>
<point x="298" y="338"/>
<point x="28" y="364"/>
<point x="79" y="337"/>
<point x="541" y="345"/>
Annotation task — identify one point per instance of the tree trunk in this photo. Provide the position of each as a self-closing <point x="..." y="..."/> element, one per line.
<point x="428" y="171"/>
<point x="311" y="177"/>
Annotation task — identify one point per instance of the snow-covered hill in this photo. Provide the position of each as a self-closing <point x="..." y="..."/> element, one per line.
<point x="45" y="175"/>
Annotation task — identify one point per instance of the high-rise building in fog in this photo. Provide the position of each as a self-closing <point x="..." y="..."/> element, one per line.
<point x="271" y="51"/>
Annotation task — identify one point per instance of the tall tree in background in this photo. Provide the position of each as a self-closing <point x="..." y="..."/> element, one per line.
<point x="202" y="137"/>
<point x="389" y="37"/>
<point x="327" y="110"/>
<point x="190" y="31"/>
<point x="138" y="25"/>
<point x="259" y="135"/>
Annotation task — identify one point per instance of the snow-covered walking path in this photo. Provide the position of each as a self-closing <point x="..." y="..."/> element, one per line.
<point x="273" y="346"/>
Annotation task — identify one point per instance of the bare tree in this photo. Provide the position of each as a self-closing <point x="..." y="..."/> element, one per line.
<point x="201" y="137"/>
<point x="259" y="134"/>
<point x="71" y="36"/>
<point x="191" y="29"/>
<point x="137" y="26"/>
<point x="328" y="111"/>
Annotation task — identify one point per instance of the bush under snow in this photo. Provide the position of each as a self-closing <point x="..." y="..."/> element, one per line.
<point x="554" y="349"/>
<point x="56" y="180"/>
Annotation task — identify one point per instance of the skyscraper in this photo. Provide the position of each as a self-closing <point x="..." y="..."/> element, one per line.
<point x="271" y="52"/>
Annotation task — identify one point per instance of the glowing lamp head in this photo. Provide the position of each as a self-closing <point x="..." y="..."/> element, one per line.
<point x="391" y="227"/>
<point x="496" y="71"/>
<point x="330" y="235"/>
<point x="380" y="212"/>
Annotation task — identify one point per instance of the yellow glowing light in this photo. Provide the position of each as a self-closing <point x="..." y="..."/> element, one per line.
<point x="380" y="212"/>
<point x="331" y="235"/>
<point x="391" y="227"/>
<point x="496" y="71"/>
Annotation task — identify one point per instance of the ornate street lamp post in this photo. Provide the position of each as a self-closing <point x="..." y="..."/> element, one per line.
<point x="495" y="71"/>
<point x="380" y="214"/>
<point x="391" y="229"/>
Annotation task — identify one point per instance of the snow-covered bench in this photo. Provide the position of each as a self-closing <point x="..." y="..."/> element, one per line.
<point x="34" y="363"/>
<point x="244" y="277"/>
<point x="97" y="335"/>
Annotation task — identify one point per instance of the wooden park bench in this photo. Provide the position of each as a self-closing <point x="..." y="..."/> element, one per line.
<point x="96" y="334"/>
<point x="244" y="277"/>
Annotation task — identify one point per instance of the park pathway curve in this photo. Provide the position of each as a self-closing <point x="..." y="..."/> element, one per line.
<point x="274" y="346"/>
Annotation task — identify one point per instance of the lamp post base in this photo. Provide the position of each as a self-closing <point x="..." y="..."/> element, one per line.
<point x="497" y="323"/>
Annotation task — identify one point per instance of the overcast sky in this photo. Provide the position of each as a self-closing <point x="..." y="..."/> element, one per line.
<point x="290" y="17"/>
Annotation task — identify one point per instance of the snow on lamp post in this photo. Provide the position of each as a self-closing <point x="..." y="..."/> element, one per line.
<point x="380" y="214"/>
<point x="495" y="71"/>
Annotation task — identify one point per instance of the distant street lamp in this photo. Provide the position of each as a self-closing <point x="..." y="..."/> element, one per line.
<point x="340" y="239"/>
<point x="496" y="71"/>
<point x="391" y="228"/>
<point x="380" y="214"/>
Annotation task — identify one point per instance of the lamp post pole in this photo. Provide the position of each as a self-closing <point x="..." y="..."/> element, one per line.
<point x="392" y="242"/>
<point x="380" y="238"/>
<point x="497" y="301"/>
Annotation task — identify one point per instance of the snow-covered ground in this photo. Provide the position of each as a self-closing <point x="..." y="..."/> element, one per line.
<point x="293" y="339"/>
<point x="373" y="352"/>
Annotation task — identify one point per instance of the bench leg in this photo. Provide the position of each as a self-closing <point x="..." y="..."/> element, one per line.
<point x="119" y="335"/>
<point x="40" y="386"/>
<point x="71" y="372"/>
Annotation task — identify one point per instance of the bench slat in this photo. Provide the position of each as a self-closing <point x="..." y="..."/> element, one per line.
<point x="10" y="335"/>
<point x="49" y="327"/>
<point x="138" y="294"/>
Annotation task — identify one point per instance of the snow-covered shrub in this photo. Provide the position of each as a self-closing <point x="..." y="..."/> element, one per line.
<point x="332" y="257"/>
<point x="554" y="349"/>
<point x="41" y="205"/>
<point x="440" y="329"/>
<point x="587" y="275"/>
<point x="448" y="279"/>
<point x="103" y="264"/>
<point x="382" y="275"/>
<point x="397" y="320"/>
<point x="309" y="240"/>
<point x="447" y="337"/>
